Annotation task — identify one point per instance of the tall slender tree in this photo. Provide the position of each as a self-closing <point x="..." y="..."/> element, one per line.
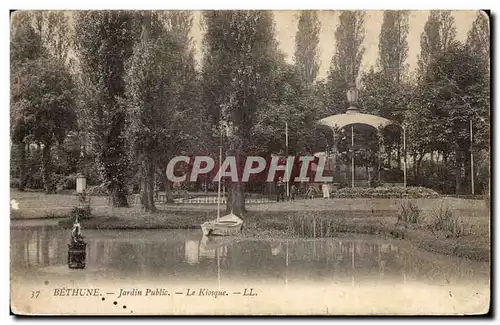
<point x="393" y="44"/>
<point x="306" y="46"/>
<point x="478" y="38"/>
<point x="238" y="68"/>
<point x="159" y="89"/>
<point x="346" y="61"/>
<point x="438" y="35"/>
<point x="42" y="95"/>
<point x="55" y="32"/>
<point x="349" y="49"/>
<point x="25" y="46"/>
<point x="103" y="42"/>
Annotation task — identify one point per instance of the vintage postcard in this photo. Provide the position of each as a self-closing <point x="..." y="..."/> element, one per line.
<point x="250" y="162"/>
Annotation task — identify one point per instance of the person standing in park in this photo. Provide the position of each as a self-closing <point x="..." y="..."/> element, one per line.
<point x="311" y="192"/>
<point x="281" y="189"/>
<point x="326" y="190"/>
<point x="293" y="192"/>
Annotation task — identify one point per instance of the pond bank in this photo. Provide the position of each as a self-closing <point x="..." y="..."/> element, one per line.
<point x="307" y="224"/>
<point x="376" y="216"/>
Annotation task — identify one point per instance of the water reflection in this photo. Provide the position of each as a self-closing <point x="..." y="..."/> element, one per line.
<point x="186" y="254"/>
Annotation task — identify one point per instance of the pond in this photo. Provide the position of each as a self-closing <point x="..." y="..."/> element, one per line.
<point x="371" y="267"/>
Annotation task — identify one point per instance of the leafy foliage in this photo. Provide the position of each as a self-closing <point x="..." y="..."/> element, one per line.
<point x="438" y="35"/>
<point x="102" y="69"/>
<point x="157" y="97"/>
<point x="349" y="37"/>
<point x="306" y="46"/>
<point x="409" y="213"/>
<point x="346" y="62"/>
<point x="393" y="44"/>
<point x="239" y="66"/>
<point x="43" y="93"/>
<point x="42" y="98"/>
<point x="386" y="192"/>
<point x="478" y="38"/>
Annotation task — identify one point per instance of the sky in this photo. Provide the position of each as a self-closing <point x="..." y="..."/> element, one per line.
<point x="286" y="27"/>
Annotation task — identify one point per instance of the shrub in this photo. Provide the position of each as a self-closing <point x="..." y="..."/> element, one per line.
<point x="486" y="196"/>
<point x="409" y="213"/>
<point x="68" y="182"/>
<point x="444" y="220"/>
<point x="81" y="212"/>
<point x="386" y="192"/>
<point x="99" y="190"/>
<point x="34" y="181"/>
<point x="84" y="198"/>
<point x="14" y="183"/>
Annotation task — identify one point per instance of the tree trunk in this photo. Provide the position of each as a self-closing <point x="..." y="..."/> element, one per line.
<point x="236" y="199"/>
<point x="46" y="170"/>
<point x="147" y="184"/>
<point x="419" y="168"/>
<point x="151" y="184"/>
<point x="22" y="166"/>
<point x="144" y="186"/>
<point x="389" y="154"/>
<point x="398" y="155"/>
<point x="236" y="194"/>
<point x="119" y="197"/>
<point x="458" y="171"/>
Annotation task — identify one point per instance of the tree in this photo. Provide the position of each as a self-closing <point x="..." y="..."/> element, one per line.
<point x="240" y="56"/>
<point x="25" y="46"/>
<point x="43" y="97"/>
<point x="393" y="44"/>
<point x="155" y="98"/>
<point x="306" y="46"/>
<point x="103" y="42"/>
<point x="346" y="62"/>
<point x="386" y="92"/>
<point x="438" y="35"/>
<point x="25" y="43"/>
<point x="349" y="36"/>
<point x="455" y="91"/>
<point x="478" y="38"/>
<point x="178" y="26"/>
<point x="54" y="31"/>
<point x="293" y="103"/>
<point x="478" y="44"/>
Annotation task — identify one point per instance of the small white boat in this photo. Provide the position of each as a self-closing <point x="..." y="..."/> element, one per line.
<point x="211" y="243"/>
<point x="229" y="225"/>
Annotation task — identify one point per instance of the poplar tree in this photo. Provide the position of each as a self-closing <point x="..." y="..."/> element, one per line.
<point x="103" y="43"/>
<point x="306" y="46"/>
<point x="239" y="63"/>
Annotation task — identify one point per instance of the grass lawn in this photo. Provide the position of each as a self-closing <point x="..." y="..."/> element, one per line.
<point x="264" y="220"/>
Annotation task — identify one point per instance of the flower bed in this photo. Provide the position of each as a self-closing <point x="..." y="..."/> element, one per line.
<point x="385" y="192"/>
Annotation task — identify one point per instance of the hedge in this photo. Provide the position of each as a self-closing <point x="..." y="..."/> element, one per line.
<point x="385" y="192"/>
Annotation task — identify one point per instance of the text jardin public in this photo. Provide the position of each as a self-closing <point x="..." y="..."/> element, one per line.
<point x="202" y="165"/>
<point x="86" y="292"/>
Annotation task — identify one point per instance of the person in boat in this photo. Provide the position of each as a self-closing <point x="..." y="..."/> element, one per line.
<point x="281" y="189"/>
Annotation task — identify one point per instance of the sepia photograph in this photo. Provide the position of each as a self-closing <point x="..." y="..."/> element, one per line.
<point x="250" y="162"/>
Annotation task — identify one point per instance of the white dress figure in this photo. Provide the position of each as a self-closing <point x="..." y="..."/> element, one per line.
<point x="326" y="191"/>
